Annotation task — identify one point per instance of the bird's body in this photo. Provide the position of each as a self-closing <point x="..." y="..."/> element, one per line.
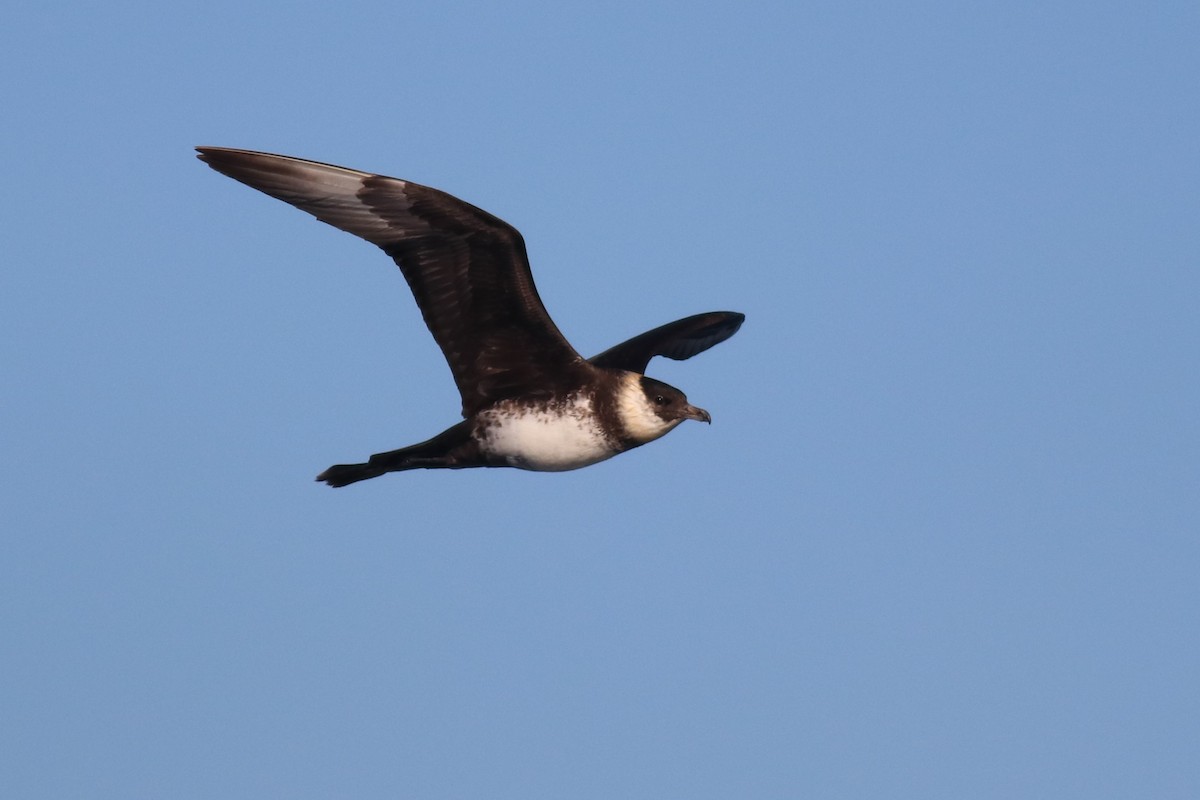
<point x="553" y="437"/>
<point x="583" y="428"/>
<point x="529" y="399"/>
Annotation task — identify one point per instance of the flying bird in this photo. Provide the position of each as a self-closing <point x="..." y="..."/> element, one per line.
<point x="529" y="400"/>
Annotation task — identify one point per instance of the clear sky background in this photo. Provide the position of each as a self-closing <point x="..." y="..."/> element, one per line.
<point x="942" y="539"/>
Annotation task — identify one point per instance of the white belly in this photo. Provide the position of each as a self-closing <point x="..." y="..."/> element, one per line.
<point x="563" y="438"/>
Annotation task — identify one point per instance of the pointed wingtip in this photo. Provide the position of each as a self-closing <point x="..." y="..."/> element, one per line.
<point x="733" y="319"/>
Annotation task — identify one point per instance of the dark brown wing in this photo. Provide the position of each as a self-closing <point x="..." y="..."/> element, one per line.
<point x="467" y="269"/>
<point x="678" y="340"/>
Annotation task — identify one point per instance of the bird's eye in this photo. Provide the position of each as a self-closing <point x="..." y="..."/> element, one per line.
<point x="660" y="400"/>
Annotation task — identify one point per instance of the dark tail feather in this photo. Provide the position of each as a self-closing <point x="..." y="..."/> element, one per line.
<point x="444" y="450"/>
<point x="345" y="474"/>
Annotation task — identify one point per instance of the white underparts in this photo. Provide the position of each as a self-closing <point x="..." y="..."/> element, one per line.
<point x="568" y="435"/>
<point x="553" y="439"/>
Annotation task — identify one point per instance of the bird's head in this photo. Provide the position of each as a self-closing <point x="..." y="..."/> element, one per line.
<point x="650" y="408"/>
<point x="670" y="404"/>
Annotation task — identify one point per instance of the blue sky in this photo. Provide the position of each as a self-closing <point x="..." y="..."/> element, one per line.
<point x="941" y="540"/>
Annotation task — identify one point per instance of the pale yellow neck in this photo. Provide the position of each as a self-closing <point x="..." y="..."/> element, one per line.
<point x="638" y="416"/>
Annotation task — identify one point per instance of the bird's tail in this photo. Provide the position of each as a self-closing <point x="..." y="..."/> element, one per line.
<point x="345" y="474"/>
<point x="443" y="450"/>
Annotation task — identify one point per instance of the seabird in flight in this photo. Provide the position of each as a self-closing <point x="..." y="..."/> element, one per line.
<point x="529" y="400"/>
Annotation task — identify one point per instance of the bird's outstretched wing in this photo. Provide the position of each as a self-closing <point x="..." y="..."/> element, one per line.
<point x="677" y="340"/>
<point x="467" y="269"/>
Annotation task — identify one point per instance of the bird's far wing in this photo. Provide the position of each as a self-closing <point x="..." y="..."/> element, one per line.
<point x="467" y="269"/>
<point x="677" y="340"/>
